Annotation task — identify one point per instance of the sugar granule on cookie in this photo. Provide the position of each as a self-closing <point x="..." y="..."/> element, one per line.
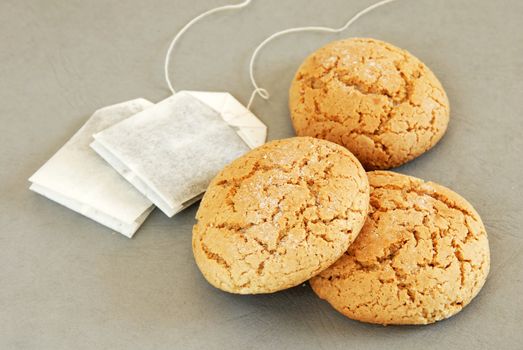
<point x="279" y="215"/>
<point x="379" y="101"/>
<point x="421" y="257"/>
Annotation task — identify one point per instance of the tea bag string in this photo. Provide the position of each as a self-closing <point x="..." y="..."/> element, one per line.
<point x="263" y="93"/>
<point x="189" y="25"/>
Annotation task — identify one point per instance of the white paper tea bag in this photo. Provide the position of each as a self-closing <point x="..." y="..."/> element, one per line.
<point x="172" y="150"/>
<point x="79" y="179"/>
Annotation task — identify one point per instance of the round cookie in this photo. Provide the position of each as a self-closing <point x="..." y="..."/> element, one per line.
<point x="377" y="100"/>
<point x="421" y="256"/>
<point x="279" y="215"/>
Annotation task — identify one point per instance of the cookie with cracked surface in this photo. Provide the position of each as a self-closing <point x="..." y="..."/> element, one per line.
<point x="379" y="101"/>
<point x="279" y="215"/>
<point x="421" y="256"/>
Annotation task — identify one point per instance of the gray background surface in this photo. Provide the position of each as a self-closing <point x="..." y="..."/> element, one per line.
<point x="67" y="282"/>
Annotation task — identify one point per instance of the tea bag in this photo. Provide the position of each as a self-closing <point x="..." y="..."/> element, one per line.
<point x="77" y="178"/>
<point x="172" y="150"/>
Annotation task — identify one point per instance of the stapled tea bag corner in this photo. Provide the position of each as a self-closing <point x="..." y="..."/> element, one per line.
<point x="79" y="179"/>
<point x="246" y="124"/>
<point x="171" y="151"/>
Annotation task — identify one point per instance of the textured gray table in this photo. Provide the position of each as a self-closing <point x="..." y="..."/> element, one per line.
<point x="68" y="283"/>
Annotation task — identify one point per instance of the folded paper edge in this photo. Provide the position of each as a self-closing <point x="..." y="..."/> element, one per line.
<point x="127" y="229"/>
<point x="132" y="177"/>
<point x="226" y="99"/>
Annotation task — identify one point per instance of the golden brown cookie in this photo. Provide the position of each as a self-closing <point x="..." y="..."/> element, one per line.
<point x="279" y="215"/>
<point x="421" y="256"/>
<point x="377" y="100"/>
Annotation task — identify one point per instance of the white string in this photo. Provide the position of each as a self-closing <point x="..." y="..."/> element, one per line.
<point x="263" y="93"/>
<point x="186" y="27"/>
